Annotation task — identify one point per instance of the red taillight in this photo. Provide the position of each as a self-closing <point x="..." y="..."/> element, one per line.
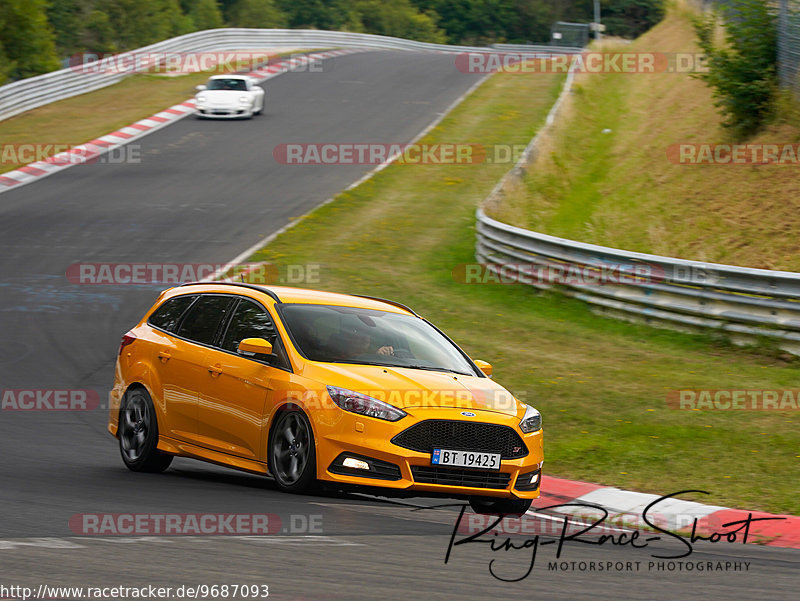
<point x="126" y="340"/>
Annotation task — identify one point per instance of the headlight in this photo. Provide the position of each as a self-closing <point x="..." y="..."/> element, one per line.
<point x="362" y="404"/>
<point x="244" y="99"/>
<point x="201" y="98"/>
<point x="532" y="421"/>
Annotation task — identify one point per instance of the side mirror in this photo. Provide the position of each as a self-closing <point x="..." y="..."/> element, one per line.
<point x="199" y="88"/>
<point x="486" y="368"/>
<point x="255" y="346"/>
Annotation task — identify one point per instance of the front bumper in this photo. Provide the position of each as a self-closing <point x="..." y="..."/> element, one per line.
<point x="369" y="439"/>
<point x="224" y="112"/>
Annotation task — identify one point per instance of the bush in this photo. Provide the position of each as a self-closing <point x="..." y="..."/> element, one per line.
<point x="743" y="71"/>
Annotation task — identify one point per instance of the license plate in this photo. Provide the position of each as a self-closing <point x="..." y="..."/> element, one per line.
<point x="486" y="461"/>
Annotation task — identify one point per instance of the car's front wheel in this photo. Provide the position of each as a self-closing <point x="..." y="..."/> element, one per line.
<point x="138" y="434"/>
<point x="487" y="505"/>
<point x="292" y="454"/>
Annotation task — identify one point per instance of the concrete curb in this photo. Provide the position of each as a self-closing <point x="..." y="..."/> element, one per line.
<point x="625" y="508"/>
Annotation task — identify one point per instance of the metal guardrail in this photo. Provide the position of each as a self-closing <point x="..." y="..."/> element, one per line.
<point x="27" y="94"/>
<point x="537" y="48"/>
<point x="743" y="303"/>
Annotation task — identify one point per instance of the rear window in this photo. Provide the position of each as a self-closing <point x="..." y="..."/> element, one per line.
<point x="168" y="315"/>
<point x="204" y="317"/>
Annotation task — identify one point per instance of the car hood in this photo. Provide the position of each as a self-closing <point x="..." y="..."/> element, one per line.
<point x="419" y="389"/>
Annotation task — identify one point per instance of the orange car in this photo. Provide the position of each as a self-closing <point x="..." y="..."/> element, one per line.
<point x="311" y="386"/>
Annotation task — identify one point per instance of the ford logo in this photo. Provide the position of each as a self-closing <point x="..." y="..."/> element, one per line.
<point x="467" y="414"/>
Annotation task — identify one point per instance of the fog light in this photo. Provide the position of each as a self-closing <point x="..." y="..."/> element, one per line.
<point x="350" y="464"/>
<point x="355" y="464"/>
<point x="529" y="481"/>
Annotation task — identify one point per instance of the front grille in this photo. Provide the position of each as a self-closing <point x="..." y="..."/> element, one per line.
<point x="449" y="476"/>
<point x="462" y="436"/>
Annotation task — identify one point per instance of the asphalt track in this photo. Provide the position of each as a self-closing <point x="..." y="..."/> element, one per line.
<point x="205" y="191"/>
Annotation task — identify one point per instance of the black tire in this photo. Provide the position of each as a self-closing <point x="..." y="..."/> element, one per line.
<point x="488" y="505"/>
<point x="138" y="434"/>
<point x="292" y="454"/>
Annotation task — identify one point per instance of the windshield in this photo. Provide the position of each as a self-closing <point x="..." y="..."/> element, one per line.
<point x="370" y="337"/>
<point x="227" y="84"/>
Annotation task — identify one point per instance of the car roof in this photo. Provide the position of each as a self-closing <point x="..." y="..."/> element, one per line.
<point x="231" y="76"/>
<point x="285" y="294"/>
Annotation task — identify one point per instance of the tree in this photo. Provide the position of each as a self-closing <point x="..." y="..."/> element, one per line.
<point x="631" y="18"/>
<point x="399" y="19"/>
<point x="27" y="39"/>
<point x="256" y="13"/>
<point x="743" y="72"/>
<point x="98" y="35"/>
<point x="67" y="18"/>
<point x="205" y="14"/>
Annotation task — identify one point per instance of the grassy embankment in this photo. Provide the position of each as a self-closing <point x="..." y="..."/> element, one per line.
<point x="620" y="189"/>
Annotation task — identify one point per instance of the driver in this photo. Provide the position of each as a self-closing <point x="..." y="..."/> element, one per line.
<point x="357" y="341"/>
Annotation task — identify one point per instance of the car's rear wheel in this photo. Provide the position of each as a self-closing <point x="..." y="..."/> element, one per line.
<point x="487" y="505"/>
<point x="138" y="434"/>
<point x="292" y="453"/>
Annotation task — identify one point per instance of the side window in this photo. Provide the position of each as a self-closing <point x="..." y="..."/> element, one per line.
<point x="248" y="321"/>
<point x="169" y="314"/>
<point x="203" y="319"/>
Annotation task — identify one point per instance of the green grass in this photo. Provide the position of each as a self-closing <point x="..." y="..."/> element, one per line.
<point x="620" y="189"/>
<point x="600" y="384"/>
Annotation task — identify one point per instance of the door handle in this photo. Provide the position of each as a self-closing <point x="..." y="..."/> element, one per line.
<point x="214" y="370"/>
<point x="164" y="356"/>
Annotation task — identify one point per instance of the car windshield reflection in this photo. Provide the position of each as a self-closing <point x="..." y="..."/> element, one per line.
<point x="227" y="84"/>
<point x="334" y="334"/>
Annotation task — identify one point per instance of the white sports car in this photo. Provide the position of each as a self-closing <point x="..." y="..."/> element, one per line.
<point x="229" y="96"/>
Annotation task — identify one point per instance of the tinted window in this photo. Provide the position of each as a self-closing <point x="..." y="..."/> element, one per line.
<point x="228" y="84"/>
<point x="169" y="314"/>
<point x="248" y="321"/>
<point x="371" y="337"/>
<point x="203" y="319"/>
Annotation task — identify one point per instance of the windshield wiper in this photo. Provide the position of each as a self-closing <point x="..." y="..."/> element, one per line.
<point x="424" y="367"/>
<point x="431" y="368"/>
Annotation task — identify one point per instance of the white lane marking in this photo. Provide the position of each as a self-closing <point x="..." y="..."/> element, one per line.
<point x="63" y="543"/>
<point x="48" y="543"/>
<point x="307" y="539"/>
